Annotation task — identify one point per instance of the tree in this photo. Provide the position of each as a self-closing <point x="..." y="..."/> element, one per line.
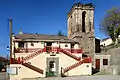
<point x="110" y="25"/>
<point x="60" y="33"/>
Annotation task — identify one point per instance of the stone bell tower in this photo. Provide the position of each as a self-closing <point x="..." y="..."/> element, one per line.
<point x="81" y="26"/>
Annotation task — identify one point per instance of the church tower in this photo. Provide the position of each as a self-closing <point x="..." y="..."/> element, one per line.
<point x="81" y="26"/>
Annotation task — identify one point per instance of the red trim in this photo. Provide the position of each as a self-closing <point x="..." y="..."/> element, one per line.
<point x="46" y="49"/>
<point x="25" y="50"/>
<point x="85" y="60"/>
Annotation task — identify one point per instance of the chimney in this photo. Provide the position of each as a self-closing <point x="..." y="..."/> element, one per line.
<point x="20" y="32"/>
<point x="36" y="34"/>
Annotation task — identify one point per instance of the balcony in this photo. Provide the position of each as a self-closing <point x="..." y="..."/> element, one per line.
<point x="25" y="50"/>
<point x="14" y="61"/>
<point x="56" y="49"/>
<point x="46" y="49"/>
<point x="87" y="60"/>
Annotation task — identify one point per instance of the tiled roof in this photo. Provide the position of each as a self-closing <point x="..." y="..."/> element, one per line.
<point x="43" y="37"/>
<point x="105" y="39"/>
<point x="2" y="59"/>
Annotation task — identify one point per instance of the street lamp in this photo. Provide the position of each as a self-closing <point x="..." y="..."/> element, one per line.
<point x="8" y="49"/>
<point x="7" y="67"/>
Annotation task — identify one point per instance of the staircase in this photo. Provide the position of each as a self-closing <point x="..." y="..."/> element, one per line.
<point x="66" y="52"/>
<point x="33" y="67"/>
<point x="32" y="55"/>
<point x="70" y="54"/>
<point x="14" y="61"/>
<point x="72" y="66"/>
<point x="85" y="60"/>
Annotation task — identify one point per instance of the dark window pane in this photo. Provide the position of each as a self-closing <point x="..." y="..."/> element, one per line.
<point x="105" y="61"/>
<point x="21" y="44"/>
<point x="51" y="64"/>
<point x="83" y="21"/>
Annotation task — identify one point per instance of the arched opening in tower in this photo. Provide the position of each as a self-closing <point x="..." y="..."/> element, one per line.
<point x="83" y="21"/>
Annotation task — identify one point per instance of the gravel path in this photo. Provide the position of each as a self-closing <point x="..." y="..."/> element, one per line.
<point x="4" y="76"/>
<point x="97" y="77"/>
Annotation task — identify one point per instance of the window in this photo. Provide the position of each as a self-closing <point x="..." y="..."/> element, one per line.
<point x="105" y="61"/>
<point x="66" y="45"/>
<point x="83" y="21"/>
<point x="32" y="44"/>
<point x="51" y="64"/>
<point x="42" y="42"/>
<point x="89" y="26"/>
<point x="87" y="66"/>
<point x="13" y="70"/>
<point x="21" y="44"/>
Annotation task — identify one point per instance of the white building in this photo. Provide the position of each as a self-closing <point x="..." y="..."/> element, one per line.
<point x="38" y="55"/>
<point x="106" y="42"/>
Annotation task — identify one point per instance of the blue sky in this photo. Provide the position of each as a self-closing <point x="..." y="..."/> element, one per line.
<point x="43" y="16"/>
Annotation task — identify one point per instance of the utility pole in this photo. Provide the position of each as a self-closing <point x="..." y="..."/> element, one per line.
<point x="10" y="24"/>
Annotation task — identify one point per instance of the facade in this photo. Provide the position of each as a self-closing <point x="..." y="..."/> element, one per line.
<point x="106" y="42"/>
<point x="81" y="27"/>
<point x="102" y="62"/>
<point x="38" y="55"/>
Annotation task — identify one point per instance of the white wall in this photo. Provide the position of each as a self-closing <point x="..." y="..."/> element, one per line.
<point x="106" y="42"/>
<point x="36" y="45"/>
<point x="101" y="57"/>
<point x="40" y="62"/>
<point x="24" y="72"/>
<point x="65" y="61"/>
<point x="76" y="46"/>
<point x="62" y="45"/>
<point x="84" y="69"/>
<point x="54" y="44"/>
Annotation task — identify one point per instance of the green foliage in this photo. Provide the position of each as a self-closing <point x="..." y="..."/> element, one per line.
<point x="60" y="33"/>
<point x="110" y="25"/>
<point x="50" y="74"/>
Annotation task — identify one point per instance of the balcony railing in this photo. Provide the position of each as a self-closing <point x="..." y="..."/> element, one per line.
<point x="25" y="50"/>
<point x="46" y="49"/>
<point x="56" y="49"/>
<point x="15" y="61"/>
<point x="87" y="60"/>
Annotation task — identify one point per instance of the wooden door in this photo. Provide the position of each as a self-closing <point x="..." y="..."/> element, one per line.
<point x="97" y="63"/>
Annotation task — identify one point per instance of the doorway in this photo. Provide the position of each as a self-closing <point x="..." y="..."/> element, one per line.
<point x="72" y="48"/>
<point x="97" y="62"/>
<point x="49" y="46"/>
<point x="52" y="67"/>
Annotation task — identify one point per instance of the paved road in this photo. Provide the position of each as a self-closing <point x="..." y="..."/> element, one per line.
<point x="97" y="77"/>
<point x="4" y="76"/>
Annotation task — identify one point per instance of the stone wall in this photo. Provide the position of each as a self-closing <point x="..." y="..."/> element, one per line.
<point x="114" y="67"/>
<point x="75" y="24"/>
